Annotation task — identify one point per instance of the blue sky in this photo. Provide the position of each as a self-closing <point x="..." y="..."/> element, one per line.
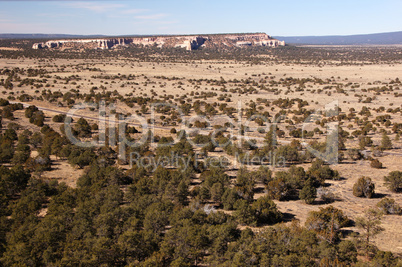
<point x="277" y="18"/>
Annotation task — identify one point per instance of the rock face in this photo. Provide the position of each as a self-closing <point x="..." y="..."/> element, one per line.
<point x="189" y="42"/>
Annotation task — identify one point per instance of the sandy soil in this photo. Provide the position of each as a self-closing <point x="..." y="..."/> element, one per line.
<point x="10" y="48"/>
<point x="366" y="76"/>
<point x="63" y="172"/>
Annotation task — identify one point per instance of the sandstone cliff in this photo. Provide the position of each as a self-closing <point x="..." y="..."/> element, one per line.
<point x="189" y="42"/>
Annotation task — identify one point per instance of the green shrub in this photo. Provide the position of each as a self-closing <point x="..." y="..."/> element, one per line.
<point x="59" y="118"/>
<point x="388" y="206"/>
<point x="308" y="193"/>
<point x="265" y="211"/>
<point x="364" y="187"/>
<point x="394" y="181"/>
<point x="327" y="222"/>
<point x="376" y="164"/>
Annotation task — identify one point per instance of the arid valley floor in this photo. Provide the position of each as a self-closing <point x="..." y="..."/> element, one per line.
<point x="209" y="94"/>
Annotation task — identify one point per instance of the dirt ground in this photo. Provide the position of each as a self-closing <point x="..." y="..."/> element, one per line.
<point x="365" y="76"/>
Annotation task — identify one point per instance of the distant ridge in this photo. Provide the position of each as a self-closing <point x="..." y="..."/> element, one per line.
<point x="75" y="36"/>
<point x="189" y="42"/>
<point x="388" y="38"/>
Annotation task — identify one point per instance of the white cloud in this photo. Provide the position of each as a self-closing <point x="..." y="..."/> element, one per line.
<point x="151" y="17"/>
<point x="94" y="6"/>
<point x="56" y="15"/>
<point x="171" y="22"/>
<point x="100" y="7"/>
<point x="133" y="11"/>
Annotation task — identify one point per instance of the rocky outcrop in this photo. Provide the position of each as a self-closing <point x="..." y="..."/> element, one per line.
<point x="189" y="42"/>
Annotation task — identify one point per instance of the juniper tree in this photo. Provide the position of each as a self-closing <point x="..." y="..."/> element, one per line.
<point x="370" y="225"/>
<point x="386" y="143"/>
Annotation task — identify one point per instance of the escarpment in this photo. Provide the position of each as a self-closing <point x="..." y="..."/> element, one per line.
<point x="189" y="42"/>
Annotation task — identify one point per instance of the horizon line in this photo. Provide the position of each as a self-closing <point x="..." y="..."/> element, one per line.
<point x="189" y="34"/>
